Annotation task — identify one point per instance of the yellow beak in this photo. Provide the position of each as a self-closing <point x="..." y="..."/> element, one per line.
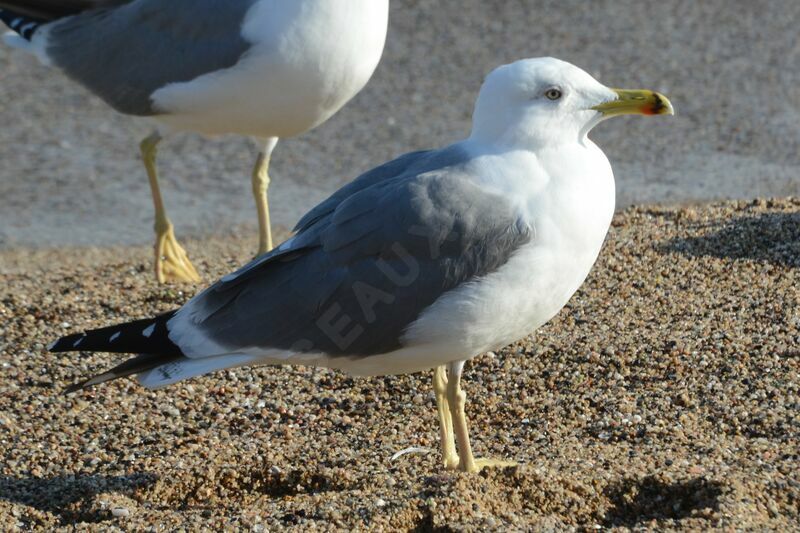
<point x="636" y="102"/>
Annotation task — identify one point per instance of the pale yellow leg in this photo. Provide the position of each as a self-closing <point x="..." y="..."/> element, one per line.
<point x="457" y="399"/>
<point x="449" y="454"/>
<point x="171" y="262"/>
<point x="260" y="181"/>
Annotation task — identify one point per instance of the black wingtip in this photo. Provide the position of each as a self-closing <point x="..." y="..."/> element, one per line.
<point x="95" y="380"/>
<point x="75" y="388"/>
<point x="66" y="344"/>
<point x="24" y="25"/>
<point x="148" y="337"/>
<point x="126" y="368"/>
<point x="135" y="365"/>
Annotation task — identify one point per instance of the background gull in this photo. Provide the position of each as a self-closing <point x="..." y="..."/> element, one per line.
<point x="426" y="261"/>
<point x="263" y="68"/>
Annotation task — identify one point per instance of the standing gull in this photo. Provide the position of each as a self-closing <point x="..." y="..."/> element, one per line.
<point x="265" y="68"/>
<point x="426" y="261"/>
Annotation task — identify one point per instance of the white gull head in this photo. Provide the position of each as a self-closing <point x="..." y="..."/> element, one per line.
<point x="544" y="101"/>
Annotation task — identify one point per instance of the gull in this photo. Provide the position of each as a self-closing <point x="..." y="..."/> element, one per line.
<point x="268" y="69"/>
<point x="424" y="262"/>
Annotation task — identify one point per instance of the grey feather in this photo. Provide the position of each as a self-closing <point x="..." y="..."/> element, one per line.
<point x="385" y="171"/>
<point x="125" y="53"/>
<point x="366" y="262"/>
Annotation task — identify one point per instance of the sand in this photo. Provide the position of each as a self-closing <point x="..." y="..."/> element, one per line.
<point x="665" y="395"/>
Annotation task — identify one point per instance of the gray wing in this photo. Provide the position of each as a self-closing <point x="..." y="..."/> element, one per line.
<point x="355" y="278"/>
<point x="407" y="162"/>
<point x="123" y="54"/>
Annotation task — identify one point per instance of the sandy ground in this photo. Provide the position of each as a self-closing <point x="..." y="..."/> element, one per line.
<point x="70" y="174"/>
<point x="666" y="395"/>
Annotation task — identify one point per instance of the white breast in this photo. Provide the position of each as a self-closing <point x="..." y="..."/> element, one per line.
<point x="309" y="58"/>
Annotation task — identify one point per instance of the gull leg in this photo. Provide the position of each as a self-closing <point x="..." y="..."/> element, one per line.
<point x="445" y="420"/>
<point x="457" y="399"/>
<point x="260" y="181"/>
<point x="171" y="262"/>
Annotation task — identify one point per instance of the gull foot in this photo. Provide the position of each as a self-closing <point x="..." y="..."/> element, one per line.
<point x="479" y="464"/>
<point x="172" y="263"/>
<point x="451" y="462"/>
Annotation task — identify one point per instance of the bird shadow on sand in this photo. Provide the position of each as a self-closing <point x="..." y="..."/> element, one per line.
<point x="637" y="501"/>
<point x="193" y="488"/>
<point x="81" y="499"/>
<point x="769" y="237"/>
<point x="72" y="498"/>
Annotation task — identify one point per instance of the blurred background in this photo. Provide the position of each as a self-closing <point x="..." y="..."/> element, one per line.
<point x="70" y="171"/>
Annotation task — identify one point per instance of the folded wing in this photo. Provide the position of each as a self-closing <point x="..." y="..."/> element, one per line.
<point x="355" y="277"/>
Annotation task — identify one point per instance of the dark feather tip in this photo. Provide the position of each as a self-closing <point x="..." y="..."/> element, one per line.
<point x="74" y="388"/>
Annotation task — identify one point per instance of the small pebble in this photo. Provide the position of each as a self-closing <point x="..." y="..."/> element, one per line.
<point x="120" y="512"/>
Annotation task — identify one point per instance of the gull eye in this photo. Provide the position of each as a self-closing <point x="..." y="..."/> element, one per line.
<point x="553" y="93"/>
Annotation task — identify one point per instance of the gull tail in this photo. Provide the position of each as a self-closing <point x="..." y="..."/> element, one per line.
<point x="148" y="337"/>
